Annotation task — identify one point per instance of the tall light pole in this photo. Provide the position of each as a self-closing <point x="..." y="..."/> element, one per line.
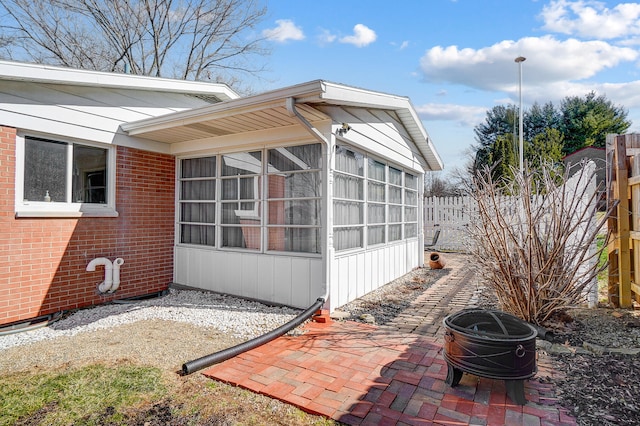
<point x="519" y="61"/>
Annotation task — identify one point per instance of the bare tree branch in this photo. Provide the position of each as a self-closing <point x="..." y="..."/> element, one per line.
<point x="187" y="39"/>
<point x="534" y="240"/>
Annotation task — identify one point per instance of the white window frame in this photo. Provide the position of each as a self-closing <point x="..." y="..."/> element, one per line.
<point x="241" y="214"/>
<point x="362" y="225"/>
<point x="399" y="205"/>
<point x="384" y="203"/>
<point x="408" y="189"/>
<point x="180" y="202"/>
<point x="24" y="208"/>
<point x="305" y="169"/>
<point x="402" y="204"/>
<point x="259" y="212"/>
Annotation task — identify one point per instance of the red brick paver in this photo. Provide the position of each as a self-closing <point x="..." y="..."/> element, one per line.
<point x="366" y="375"/>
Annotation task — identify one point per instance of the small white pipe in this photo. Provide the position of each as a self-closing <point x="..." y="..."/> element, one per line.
<point x="116" y="274"/>
<point x="104" y="286"/>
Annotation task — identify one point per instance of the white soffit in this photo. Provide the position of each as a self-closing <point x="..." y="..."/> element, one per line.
<point x="268" y="110"/>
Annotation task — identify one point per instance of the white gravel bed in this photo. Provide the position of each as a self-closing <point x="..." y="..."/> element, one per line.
<point x="240" y="318"/>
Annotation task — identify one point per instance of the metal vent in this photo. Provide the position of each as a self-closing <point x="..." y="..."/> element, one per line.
<point x="212" y="99"/>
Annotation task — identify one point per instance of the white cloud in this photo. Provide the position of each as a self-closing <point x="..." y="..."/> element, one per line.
<point x="548" y="61"/>
<point x="285" y="30"/>
<point x="463" y="114"/>
<point x="362" y="36"/>
<point x="592" y="19"/>
<point x="326" y="37"/>
<point x="400" y="46"/>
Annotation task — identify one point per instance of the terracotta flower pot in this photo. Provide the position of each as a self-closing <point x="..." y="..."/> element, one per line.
<point x="436" y="261"/>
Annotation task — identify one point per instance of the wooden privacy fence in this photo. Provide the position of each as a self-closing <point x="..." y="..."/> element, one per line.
<point x="623" y="194"/>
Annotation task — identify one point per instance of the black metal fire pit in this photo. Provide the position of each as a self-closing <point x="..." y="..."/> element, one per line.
<point x="490" y="344"/>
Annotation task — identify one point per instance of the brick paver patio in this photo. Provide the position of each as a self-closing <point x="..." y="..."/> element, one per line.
<point x="390" y="375"/>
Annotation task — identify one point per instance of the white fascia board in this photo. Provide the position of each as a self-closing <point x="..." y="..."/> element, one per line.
<point x="21" y="71"/>
<point x="421" y="137"/>
<point x="351" y="96"/>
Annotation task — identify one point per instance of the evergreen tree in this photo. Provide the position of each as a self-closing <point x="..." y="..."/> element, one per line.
<point x="578" y="122"/>
<point x="501" y="120"/>
<point x="587" y="120"/>
<point x="540" y="118"/>
<point x="545" y="148"/>
<point x="503" y="158"/>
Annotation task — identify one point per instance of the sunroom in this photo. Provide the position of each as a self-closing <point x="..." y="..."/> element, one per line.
<point x="309" y="191"/>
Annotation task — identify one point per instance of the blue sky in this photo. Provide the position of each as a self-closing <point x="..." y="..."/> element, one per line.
<point x="455" y="58"/>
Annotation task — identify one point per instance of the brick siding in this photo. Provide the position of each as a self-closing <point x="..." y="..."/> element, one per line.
<point x="43" y="260"/>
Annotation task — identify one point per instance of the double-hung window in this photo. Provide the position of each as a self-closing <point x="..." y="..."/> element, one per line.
<point x="63" y="178"/>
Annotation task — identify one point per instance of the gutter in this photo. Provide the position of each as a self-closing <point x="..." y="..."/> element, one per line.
<point x="291" y="108"/>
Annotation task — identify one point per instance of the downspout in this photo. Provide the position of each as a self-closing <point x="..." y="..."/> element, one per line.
<point x="291" y="108"/>
<point x="225" y="354"/>
<point x="105" y="285"/>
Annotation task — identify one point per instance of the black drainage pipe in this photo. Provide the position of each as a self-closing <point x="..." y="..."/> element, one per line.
<point x="223" y="355"/>
<point x="30" y="324"/>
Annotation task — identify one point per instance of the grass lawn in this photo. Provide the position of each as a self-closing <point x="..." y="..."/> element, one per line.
<point x="129" y="394"/>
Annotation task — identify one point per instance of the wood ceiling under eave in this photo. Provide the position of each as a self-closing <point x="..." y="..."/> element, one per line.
<point x="230" y="122"/>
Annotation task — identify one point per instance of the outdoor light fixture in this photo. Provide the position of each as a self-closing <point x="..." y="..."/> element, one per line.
<point x="344" y="129"/>
<point x="519" y="60"/>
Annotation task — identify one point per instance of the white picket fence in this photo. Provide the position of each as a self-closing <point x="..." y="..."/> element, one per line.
<point x="451" y="216"/>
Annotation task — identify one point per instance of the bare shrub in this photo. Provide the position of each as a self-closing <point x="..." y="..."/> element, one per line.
<point x="534" y="239"/>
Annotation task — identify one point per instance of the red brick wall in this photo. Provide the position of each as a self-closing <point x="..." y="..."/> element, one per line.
<point x="276" y="212"/>
<point x="43" y="260"/>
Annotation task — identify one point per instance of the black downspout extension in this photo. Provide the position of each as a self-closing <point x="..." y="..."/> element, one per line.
<point x="223" y="355"/>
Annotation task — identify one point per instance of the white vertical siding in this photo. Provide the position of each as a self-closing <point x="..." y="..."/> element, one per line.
<point x="290" y="280"/>
<point x="355" y="274"/>
<point x="380" y="134"/>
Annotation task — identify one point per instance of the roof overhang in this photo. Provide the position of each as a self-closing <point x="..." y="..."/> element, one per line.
<point x="269" y="110"/>
<point x="20" y="71"/>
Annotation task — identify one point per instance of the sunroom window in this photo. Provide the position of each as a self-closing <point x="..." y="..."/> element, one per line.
<point x="373" y="196"/>
<point x="376" y="206"/>
<point x="295" y="198"/>
<point x="266" y="200"/>
<point x="197" y="206"/>
<point x="410" y="206"/>
<point x="348" y="200"/>
<point x="240" y="201"/>
<point x="395" y="204"/>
